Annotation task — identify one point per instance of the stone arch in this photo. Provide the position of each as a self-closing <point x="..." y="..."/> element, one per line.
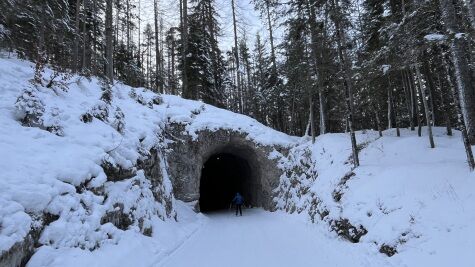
<point x="187" y="157"/>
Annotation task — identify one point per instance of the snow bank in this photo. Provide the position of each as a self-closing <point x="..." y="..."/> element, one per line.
<point x="414" y="201"/>
<point x="72" y="151"/>
<point x="198" y="117"/>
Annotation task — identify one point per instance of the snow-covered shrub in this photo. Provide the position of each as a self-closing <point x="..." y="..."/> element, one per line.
<point x="145" y="99"/>
<point x="30" y="108"/>
<point x="118" y="123"/>
<point x="32" y="112"/>
<point x="106" y="92"/>
<point x="99" y="111"/>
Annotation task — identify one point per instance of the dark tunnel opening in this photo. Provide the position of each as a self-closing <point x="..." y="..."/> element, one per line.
<point x="222" y="176"/>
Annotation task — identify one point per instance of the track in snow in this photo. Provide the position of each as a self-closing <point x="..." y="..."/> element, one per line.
<point x="261" y="238"/>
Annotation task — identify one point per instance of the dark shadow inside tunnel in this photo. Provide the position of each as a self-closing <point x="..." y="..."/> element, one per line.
<point x="222" y="176"/>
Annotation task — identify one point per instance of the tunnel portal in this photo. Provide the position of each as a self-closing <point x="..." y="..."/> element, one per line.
<point x="210" y="168"/>
<point x="222" y="176"/>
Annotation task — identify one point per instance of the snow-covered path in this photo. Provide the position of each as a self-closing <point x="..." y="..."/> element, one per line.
<point x="261" y="238"/>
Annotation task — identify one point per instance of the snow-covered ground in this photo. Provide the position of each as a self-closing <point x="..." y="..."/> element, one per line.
<point x="55" y="142"/>
<point x="261" y="238"/>
<point x="417" y="200"/>
<point x="131" y="249"/>
<point x="412" y="200"/>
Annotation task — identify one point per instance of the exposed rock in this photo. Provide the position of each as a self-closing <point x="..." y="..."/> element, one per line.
<point x="339" y="190"/>
<point x="187" y="156"/>
<point x="388" y="250"/>
<point x="345" y="229"/>
<point x="117" y="217"/>
<point x="117" y="173"/>
<point x="20" y="253"/>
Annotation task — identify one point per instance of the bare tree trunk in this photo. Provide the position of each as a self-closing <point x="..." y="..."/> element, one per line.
<point x="410" y="87"/>
<point x="139" y="44"/>
<point x="157" y="48"/>
<point x="426" y="106"/>
<point x="390" y="107"/>
<point x="409" y="100"/>
<point x="378" y="123"/>
<point x="162" y="59"/>
<point x="460" y="119"/>
<point x="463" y="73"/>
<point x="445" y="105"/>
<point x="236" y="55"/>
<point x="173" y="84"/>
<point x="316" y="48"/>
<point x="127" y="23"/>
<point x="85" y="47"/>
<point x="392" y="115"/>
<point x="184" y="38"/>
<point x="312" y="119"/>
<point x="345" y="65"/>
<point x="76" y="37"/>
<point x="94" y="26"/>
<point x="271" y="37"/>
<point x="323" y="111"/>
<point x="431" y="87"/>
<point x="416" y="102"/>
<point x="109" y="42"/>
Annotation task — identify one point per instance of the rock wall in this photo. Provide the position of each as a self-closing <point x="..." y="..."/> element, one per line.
<point x="186" y="157"/>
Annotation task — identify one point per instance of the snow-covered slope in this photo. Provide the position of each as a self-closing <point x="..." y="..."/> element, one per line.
<point x="71" y="166"/>
<point x="412" y="200"/>
<point x="58" y="144"/>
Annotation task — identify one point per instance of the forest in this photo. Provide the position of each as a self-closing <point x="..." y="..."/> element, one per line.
<point x="338" y="66"/>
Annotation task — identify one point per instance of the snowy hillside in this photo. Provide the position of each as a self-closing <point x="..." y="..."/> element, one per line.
<point x="74" y="186"/>
<point x="405" y="200"/>
<point x="73" y="155"/>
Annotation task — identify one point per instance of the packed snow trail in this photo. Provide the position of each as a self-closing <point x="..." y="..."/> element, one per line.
<point x="261" y="238"/>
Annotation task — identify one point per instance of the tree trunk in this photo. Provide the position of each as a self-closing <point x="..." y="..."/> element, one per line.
<point x="431" y="87"/>
<point x="463" y="73"/>
<point x="236" y="55"/>
<point x="409" y="100"/>
<point x="184" y="46"/>
<point x="271" y="37"/>
<point x="109" y="44"/>
<point x="85" y="47"/>
<point x="390" y="107"/>
<point x="316" y="48"/>
<point x="416" y="102"/>
<point x="127" y="24"/>
<point x="346" y="68"/>
<point x="312" y="118"/>
<point x="139" y="44"/>
<point x="426" y="106"/>
<point x="392" y="114"/>
<point x="445" y="105"/>
<point x="378" y="123"/>
<point x="158" y="87"/>
<point x="76" y="37"/>
<point x="460" y="119"/>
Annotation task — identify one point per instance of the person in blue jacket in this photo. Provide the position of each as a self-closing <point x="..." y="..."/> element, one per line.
<point x="238" y="200"/>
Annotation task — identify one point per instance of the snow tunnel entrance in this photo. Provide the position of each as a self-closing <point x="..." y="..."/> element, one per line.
<point x="223" y="175"/>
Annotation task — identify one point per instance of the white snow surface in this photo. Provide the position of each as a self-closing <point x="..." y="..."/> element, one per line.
<point x="43" y="172"/>
<point x="408" y="196"/>
<point x="416" y="199"/>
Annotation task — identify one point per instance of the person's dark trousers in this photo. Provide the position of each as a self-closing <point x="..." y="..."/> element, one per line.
<point x="238" y="208"/>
